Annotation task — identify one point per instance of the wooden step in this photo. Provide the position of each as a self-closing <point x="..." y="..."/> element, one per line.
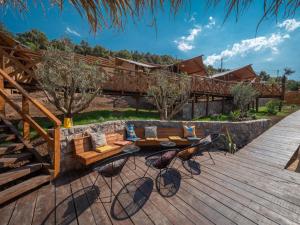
<point x="23" y="187"/>
<point x="11" y="147"/>
<point x="19" y="172"/>
<point x="3" y="128"/>
<point x="7" y="137"/>
<point x="7" y="160"/>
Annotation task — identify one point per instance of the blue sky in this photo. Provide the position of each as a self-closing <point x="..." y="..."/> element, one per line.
<point x="199" y="30"/>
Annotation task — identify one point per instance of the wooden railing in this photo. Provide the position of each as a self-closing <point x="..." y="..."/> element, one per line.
<point x="130" y="81"/>
<point x="54" y="140"/>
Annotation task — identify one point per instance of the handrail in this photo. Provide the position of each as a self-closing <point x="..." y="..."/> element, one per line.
<point x="37" y="104"/>
<point x="28" y="121"/>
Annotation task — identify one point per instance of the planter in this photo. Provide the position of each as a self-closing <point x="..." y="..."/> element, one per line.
<point x="68" y="122"/>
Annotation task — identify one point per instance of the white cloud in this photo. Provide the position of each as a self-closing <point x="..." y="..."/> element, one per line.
<point x="186" y="43"/>
<point x="249" y="45"/>
<point x="70" y="31"/>
<point x="211" y="22"/>
<point x="289" y="24"/>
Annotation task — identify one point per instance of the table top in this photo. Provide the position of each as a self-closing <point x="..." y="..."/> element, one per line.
<point x="167" y="144"/>
<point x="131" y="148"/>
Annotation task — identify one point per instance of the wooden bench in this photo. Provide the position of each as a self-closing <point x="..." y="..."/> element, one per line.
<point x="164" y="134"/>
<point x="86" y="155"/>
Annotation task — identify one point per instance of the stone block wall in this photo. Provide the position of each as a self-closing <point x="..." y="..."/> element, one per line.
<point x="242" y="133"/>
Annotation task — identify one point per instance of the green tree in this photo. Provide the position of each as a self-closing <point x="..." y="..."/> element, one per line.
<point x="34" y="39"/>
<point x="100" y="51"/>
<point x="83" y="48"/>
<point x="243" y="94"/>
<point x="69" y="83"/>
<point x="63" y="44"/>
<point x="264" y="76"/>
<point x="168" y="92"/>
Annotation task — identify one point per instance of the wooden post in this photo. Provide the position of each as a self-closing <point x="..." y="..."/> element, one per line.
<point x="137" y="103"/>
<point x="2" y="101"/>
<point x="26" y="125"/>
<point x="193" y="107"/>
<point x="206" y="107"/>
<point x="56" y="151"/>
<point x="223" y="103"/>
<point x="257" y="104"/>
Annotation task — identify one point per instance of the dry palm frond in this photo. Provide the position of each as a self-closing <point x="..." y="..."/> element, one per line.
<point x="100" y="12"/>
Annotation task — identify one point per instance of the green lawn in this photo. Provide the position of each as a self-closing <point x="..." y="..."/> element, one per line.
<point x="130" y="114"/>
<point x="261" y="114"/>
<point x="105" y="115"/>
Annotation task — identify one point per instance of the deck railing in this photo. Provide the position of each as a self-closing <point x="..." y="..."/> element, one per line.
<point x="28" y="122"/>
<point x="131" y="81"/>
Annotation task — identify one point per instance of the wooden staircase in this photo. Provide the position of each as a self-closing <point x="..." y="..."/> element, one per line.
<point x="21" y="167"/>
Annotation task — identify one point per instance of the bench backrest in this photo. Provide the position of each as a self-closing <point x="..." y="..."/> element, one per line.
<point x="82" y="143"/>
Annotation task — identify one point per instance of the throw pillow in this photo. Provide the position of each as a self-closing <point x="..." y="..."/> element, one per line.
<point x="189" y="131"/>
<point x="151" y="132"/>
<point x="130" y="133"/>
<point x="98" y="139"/>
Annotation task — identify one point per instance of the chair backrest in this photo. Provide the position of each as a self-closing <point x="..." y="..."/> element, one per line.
<point x="115" y="168"/>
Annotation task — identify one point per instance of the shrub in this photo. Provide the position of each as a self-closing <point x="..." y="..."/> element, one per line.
<point x="243" y="94"/>
<point x="273" y="106"/>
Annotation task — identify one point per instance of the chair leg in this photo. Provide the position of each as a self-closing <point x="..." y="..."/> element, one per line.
<point x="95" y="181"/>
<point x="171" y="166"/>
<point x="110" y="199"/>
<point x="211" y="157"/>
<point x="146" y="171"/>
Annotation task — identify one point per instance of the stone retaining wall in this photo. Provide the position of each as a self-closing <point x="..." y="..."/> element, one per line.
<point x="242" y="133"/>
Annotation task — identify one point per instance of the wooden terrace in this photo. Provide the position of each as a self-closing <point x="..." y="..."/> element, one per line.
<point x="250" y="187"/>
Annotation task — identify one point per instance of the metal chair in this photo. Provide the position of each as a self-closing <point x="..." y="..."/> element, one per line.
<point x="111" y="167"/>
<point x="160" y="161"/>
<point x="186" y="154"/>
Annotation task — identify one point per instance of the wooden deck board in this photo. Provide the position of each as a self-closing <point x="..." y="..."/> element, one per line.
<point x="250" y="187"/>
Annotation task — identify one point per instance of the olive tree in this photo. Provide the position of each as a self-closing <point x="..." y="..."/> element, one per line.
<point x="169" y="92"/>
<point x="243" y="94"/>
<point x="69" y="83"/>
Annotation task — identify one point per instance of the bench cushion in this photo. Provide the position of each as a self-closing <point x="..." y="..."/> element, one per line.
<point x="152" y="142"/>
<point x="106" y="148"/>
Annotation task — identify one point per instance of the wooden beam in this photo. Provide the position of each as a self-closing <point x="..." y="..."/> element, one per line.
<point x="56" y="151"/>
<point x="257" y="104"/>
<point x="26" y="124"/>
<point x="193" y="108"/>
<point x="137" y="103"/>
<point x="223" y="102"/>
<point x="206" y="105"/>
<point x="2" y="100"/>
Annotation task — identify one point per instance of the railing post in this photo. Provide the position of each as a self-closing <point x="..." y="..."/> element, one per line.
<point x="26" y="125"/>
<point x="2" y="101"/>
<point x="56" y="151"/>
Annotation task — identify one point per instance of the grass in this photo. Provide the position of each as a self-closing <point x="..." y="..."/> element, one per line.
<point x="98" y="117"/>
<point x="261" y="114"/>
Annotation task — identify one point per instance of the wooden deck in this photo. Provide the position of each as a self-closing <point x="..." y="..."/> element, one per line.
<point x="238" y="189"/>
